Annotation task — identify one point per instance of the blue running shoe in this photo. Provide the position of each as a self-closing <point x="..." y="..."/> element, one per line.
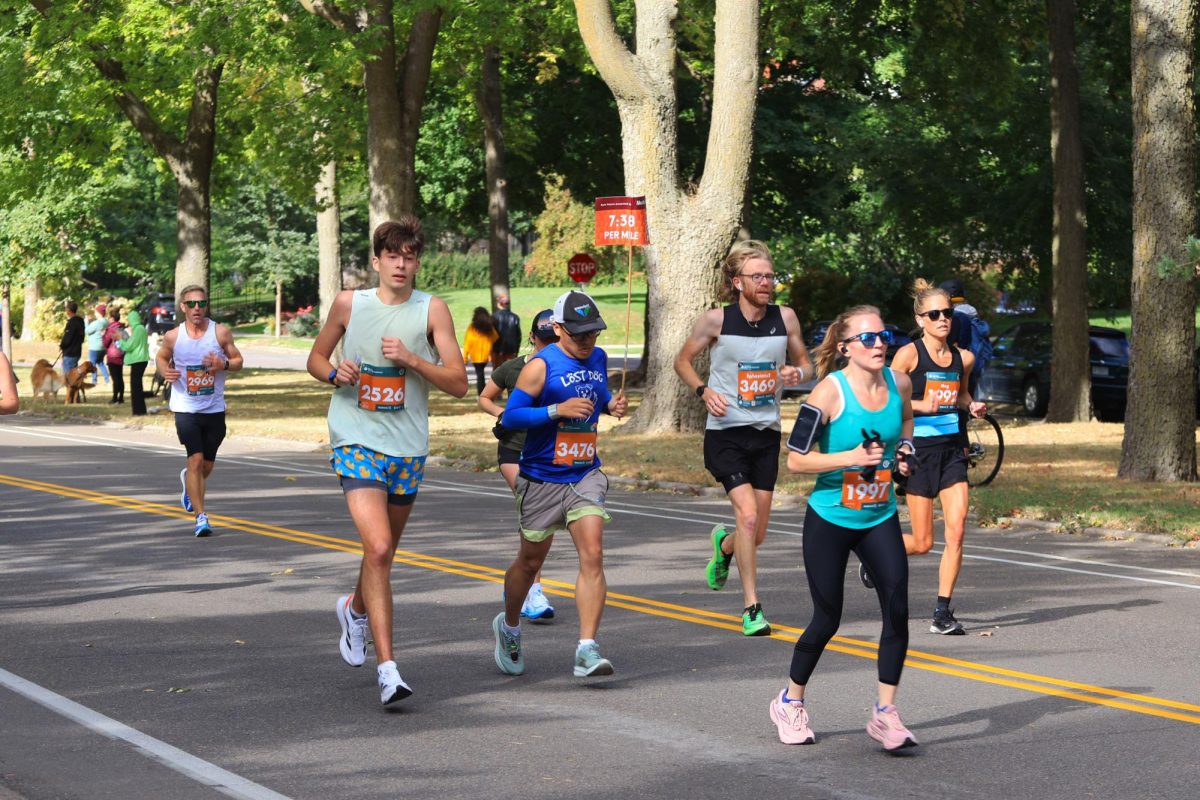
<point x="184" y="500"/>
<point x="537" y="607"/>
<point x="202" y="526"/>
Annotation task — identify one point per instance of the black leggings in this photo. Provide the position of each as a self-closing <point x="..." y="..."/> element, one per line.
<point x="479" y="380"/>
<point x="826" y="552"/>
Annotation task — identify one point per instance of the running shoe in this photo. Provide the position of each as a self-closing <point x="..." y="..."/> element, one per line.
<point x="589" y="663"/>
<point x="202" y="527"/>
<point x="791" y="720"/>
<point x="391" y="686"/>
<point x="353" y="643"/>
<point x="184" y="500"/>
<point x="886" y="728"/>
<point x="508" y="648"/>
<point x="865" y="576"/>
<point x="945" y="623"/>
<point x="537" y="607"/>
<point x="753" y="623"/>
<point x="718" y="565"/>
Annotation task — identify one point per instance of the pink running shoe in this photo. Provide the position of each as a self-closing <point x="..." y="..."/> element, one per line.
<point x="886" y="728"/>
<point x="791" y="720"/>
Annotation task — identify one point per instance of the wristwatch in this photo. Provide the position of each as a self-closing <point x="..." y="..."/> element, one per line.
<point x="700" y="389"/>
<point x="227" y="365"/>
<point x="333" y="376"/>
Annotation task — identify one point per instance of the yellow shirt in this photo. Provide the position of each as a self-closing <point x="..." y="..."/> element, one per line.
<point x="477" y="347"/>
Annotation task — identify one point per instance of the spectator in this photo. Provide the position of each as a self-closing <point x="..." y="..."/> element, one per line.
<point x="113" y="334"/>
<point x="137" y="352"/>
<point x="8" y="387"/>
<point x="95" y="340"/>
<point x="72" y="338"/>
<point x="508" y="329"/>
<point x="477" y="344"/>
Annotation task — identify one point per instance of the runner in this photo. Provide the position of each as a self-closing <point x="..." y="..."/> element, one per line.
<point x="756" y="348"/>
<point x="848" y="435"/>
<point x="940" y="373"/>
<point x="508" y="450"/>
<point x="393" y="338"/>
<point x="195" y="357"/>
<point x="558" y="399"/>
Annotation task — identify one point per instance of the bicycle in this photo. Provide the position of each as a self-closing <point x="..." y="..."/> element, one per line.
<point x="985" y="450"/>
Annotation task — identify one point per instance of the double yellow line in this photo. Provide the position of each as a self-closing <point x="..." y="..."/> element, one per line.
<point x="932" y="662"/>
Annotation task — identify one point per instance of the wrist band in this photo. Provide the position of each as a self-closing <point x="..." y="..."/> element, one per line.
<point x="552" y="411"/>
<point x="700" y="390"/>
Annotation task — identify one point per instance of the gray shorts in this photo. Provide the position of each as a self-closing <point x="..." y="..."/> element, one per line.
<point x="545" y="508"/>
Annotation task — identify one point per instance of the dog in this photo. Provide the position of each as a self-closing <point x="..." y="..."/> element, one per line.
<point x="77" y="382"/>
<point x="45" y="379"/>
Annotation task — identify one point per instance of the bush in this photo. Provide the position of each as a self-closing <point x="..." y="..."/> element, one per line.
<point x="454" y="270"/>
<point x="302" y="322"/>
<point x="564" y="228"/>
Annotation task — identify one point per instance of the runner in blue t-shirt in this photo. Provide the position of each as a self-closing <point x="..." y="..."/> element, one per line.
<point x="558" y="399"/>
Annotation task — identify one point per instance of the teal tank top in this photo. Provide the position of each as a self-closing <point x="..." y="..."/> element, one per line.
<point x="388" y="409"/>
<point x="841" y="496"/>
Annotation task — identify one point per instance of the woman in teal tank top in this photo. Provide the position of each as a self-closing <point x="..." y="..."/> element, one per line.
<point x="853" y="509"/>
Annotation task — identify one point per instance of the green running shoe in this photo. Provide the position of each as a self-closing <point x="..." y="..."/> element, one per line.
<point x="753" y="623"/>
<point x="718" y="565"/>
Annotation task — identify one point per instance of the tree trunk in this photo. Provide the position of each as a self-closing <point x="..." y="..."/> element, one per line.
<point x="329" y="235"/>
<point x="384" y="162"/>
<point x="489" y="100"/>
<point x="1160" y="443"/>
<point x="412" y="76"/>
<point x="6" y="323"/>
<point x="691" y="229"/>
<point x="33" y="296"/>
<point x="1070" y="373"/>
<point x="278" y="309"/>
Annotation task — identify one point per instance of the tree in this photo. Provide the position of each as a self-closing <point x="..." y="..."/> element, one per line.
<point x="693" y="225"/>
<point x="1160" y="440"/>
<point x="1070" y="372"/>
<point x="489" y="99"/>
<point x="395" y="93"/>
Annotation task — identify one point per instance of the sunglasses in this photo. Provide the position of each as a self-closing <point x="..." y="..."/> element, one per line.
<point x="937" y="313"/>
<point x="583" y="338"/>
<point x="868" y="338"/>
<point x="195" y="304"/>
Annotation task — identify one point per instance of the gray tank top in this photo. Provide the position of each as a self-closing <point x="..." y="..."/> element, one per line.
<point x="745" y="369"/>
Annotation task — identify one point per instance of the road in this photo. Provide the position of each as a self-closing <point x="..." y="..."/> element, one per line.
<point x="137" y="661"/>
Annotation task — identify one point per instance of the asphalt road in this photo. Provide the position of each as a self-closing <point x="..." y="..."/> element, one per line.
<point x="138" y="662"/>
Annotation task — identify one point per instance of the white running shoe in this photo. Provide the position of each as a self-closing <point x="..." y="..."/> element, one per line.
<point x="184" y="500"/>
<point x="353" y="643"/>
<point x="537" y="607"/>
<point x="391" y="686"/>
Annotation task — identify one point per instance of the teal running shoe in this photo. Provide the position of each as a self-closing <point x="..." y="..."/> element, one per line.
<point x="588" y="662"/>
<point x="508" y="648"/>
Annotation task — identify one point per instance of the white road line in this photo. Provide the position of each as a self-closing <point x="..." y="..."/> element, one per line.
<point x="171" y="757"/>
<point x="698" y="517"/>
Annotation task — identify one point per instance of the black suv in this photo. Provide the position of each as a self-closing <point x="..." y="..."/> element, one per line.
<point x="1019" y="371"/>
<point x="157" y="311"/>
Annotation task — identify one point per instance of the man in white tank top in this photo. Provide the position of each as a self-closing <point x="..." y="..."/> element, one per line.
<point x="397" y="343"/>
<point x="756" y="348"/>
<point x="194" y="359"/>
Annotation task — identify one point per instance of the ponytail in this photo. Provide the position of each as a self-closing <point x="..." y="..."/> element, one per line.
<point x="829" y="351"/>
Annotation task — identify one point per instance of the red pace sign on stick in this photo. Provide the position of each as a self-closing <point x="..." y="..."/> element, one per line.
<point x="581" y="268"/>
<point x="621" y="221"/>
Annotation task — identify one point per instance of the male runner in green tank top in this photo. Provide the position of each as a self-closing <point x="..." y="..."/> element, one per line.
<point x="397" y="342"/>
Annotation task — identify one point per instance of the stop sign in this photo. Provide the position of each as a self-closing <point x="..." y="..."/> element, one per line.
<point x="581" y="268"/>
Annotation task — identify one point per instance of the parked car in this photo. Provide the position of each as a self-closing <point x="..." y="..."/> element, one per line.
<point x="1019" y="371"/>
<point x="157" y="311"/>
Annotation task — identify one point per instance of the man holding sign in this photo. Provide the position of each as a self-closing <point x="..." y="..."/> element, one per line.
<point x="397" y="342"/>
<point x="756" y="348"/>
<point x="194" y="358"/>
<point x="558" y="399"/>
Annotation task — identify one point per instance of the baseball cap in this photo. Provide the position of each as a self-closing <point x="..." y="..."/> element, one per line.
<point x="543" y="326"/>
<point x="578" y="313"/>
<point x="954" y="288"/>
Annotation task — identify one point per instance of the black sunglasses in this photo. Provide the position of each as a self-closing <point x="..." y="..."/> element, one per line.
<point x="195" y="304"/>
<point x="937" y="313"/>
<point x="868" y="337"/>
<point x="581" y="338"/>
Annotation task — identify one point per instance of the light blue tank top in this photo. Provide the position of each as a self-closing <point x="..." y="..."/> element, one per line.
<point x="388" y="410"/>
<point x="840" y="496"/>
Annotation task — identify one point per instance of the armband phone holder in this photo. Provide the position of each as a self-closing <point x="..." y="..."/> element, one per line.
<point x="806" y="430"/>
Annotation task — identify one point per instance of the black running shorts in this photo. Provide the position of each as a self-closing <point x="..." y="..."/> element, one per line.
<point x="737" y="456"/>
<point x="939" y="467"/>
<point x="201" y="433"/>
<point x="506" y="455"/>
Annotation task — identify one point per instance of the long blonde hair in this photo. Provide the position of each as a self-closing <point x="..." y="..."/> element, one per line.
<point x="829" y="350"/>
<point x="739" y="254"/>
<point x="922" y="290"/>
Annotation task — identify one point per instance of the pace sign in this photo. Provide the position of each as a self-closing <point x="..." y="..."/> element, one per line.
<point x="621" y="221"/>
<point x="581" y="268"/>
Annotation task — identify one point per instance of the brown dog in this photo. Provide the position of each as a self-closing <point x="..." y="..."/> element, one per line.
<point x="45" y="379"/>
<point x="77" y="383"/>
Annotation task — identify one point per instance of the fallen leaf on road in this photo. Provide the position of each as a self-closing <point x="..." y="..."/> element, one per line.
<point x="290" y="478"/>
<point x="238" y="641"/>
<point x="985" y="633"/>
<point x="287" y="571"/>
<point x="178" y="690"/>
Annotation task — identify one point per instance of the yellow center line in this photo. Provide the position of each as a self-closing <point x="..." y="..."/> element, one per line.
<point x="916" y="659"/>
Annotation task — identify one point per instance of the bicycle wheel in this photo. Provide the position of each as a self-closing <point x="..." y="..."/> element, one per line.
<point x="985" y="450"/>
